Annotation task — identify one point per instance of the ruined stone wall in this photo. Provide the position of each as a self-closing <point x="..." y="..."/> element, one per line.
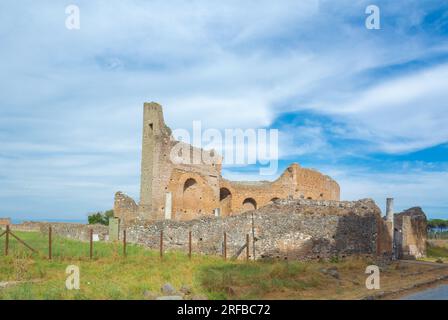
<point x="4" y="222"/>
<point x="26" y="226"/>
<point x="411" y="233"/>
<point x="294" y="183"/>
<point x="314" y="185"/>
<point x="165" y="164"/>
<point x="286" y="229"/>
<point x="188" y="180"/>
<point x="76" y="231"/>
<point x="125" y="208"/>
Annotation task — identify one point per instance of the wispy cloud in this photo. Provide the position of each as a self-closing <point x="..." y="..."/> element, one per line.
<point x="70" y="116"/>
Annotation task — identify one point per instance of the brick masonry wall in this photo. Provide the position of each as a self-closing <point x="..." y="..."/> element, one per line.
<point x="161" y="174"/>
<point x="411" y="233"/>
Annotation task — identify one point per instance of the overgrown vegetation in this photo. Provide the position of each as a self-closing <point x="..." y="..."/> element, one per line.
<point x="111" y="276"/>
<point x="100" y="217"/>
<point x="437" y="249"/>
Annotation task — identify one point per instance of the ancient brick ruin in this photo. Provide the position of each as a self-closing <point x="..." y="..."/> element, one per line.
<point x="410" y="233"/>
<point x="297" y="216"/>
<point x="181" y="190"/>
<point x="5" y="222"/>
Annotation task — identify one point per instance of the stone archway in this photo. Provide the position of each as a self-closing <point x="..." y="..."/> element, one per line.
<point x="249" y="204"/>
<point x="225" y="201"/>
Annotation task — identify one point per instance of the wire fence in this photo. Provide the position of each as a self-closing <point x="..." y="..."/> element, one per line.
<point x="438" y="235"/>
<point x="50" y="246"/>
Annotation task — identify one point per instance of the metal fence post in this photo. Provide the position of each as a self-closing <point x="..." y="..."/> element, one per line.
<point x="7" y="240"/>
<point x="49" y="243"/>
<point x="225" y="246"/>
<point x="91" y="243"/>
<point x="124" y="243"/>
<point x="247" y="247"/>
<point x="161" y="244"/>
<point x="189" y="244"/>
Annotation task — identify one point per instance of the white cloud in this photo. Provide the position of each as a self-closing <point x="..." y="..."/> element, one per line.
<point x="410" y="188"/>
<point x="79" y="95"/>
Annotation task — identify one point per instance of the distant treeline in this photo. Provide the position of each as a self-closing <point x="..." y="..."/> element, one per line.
<point x="438" y="229"/>
<point x="437" y="224"/>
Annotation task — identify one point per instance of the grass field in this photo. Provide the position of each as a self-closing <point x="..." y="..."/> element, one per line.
<point x="111" y="276"/>
<point x="437" y="250"/>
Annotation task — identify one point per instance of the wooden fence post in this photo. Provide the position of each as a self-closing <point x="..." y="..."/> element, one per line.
<point x="225" y="246"/>
<point x="49" y="243"/>
<point x="91" y="243"/>
<point x="161" y="244"/>
<point x="7" y="240"/>
<point x="247" y="247"/>
<point x="124" y="243"/>
<point x="189" y="244"/>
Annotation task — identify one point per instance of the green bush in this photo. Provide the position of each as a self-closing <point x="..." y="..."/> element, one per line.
<point x="101" y="217"/>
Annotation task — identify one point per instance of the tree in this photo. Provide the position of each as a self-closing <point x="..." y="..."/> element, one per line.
<point x="438" y="224"/>
<point x="100" y="217"/>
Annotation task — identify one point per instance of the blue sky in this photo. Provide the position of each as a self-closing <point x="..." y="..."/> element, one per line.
<point x="368" y="107"/>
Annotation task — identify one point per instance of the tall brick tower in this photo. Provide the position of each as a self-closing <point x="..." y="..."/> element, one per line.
<point x="155" y="135"/>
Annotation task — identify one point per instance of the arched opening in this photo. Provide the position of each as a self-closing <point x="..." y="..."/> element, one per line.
<point x="249" y="204"/>
<point x="189" y="183"/>
<point x="225" y="201"/>
<point x="309" y="198"/>
<point x="274" y="199"/>
<point x="191" y="198"/>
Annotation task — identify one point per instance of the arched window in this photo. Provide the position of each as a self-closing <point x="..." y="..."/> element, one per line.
<point x="191" y="199"/>
<point x="225" y="201"/>
<point x="224" y="193"/>
<point x="189" y="183"/>
<point x="249" y="204"/>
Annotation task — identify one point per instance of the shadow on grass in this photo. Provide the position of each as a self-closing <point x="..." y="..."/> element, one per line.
<point x="255" y="280"/>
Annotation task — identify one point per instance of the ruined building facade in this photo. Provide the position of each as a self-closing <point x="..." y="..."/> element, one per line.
<point x="175" y="186"/>
<point x="297" y="216"/>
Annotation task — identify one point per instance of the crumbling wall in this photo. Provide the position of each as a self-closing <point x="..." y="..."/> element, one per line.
<point x="125" y="208"/>
<point x="76" y="231"/>
<point x="411" y="233"/>
<point x="4" y="222"/>
<point x="26" y="226"/>
<point x="286" y="229"/>
<point x="186" y="181"/>
<point x="294" y="183"/>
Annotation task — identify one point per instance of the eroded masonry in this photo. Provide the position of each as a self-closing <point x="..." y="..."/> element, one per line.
<point x="178" y="189"/>
<point x="299" y="215"/>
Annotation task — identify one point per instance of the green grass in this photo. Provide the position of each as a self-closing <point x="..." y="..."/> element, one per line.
<point x="111" y="276"/>
<point x="433" y="251"/>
